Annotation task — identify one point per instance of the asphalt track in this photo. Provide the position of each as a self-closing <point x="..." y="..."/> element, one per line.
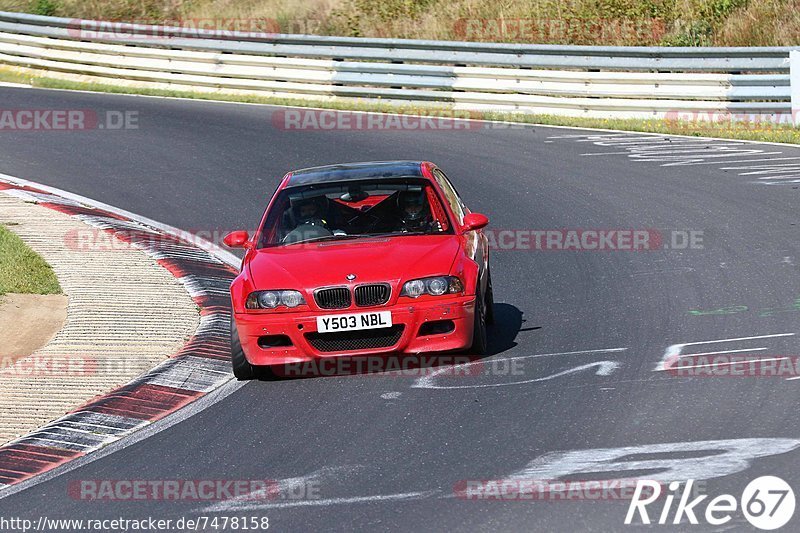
<point x="385" y="453"/>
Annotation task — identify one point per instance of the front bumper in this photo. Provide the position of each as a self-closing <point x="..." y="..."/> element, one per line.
<point x="411" y="315"/>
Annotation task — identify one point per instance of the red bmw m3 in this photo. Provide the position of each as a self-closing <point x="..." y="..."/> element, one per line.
<point x="361" y="259"/>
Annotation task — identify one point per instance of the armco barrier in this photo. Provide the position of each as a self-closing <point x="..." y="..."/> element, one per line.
<point x="618" y="82"/>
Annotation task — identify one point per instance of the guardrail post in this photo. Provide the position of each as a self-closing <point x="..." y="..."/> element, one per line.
<point x="794" y="69"/>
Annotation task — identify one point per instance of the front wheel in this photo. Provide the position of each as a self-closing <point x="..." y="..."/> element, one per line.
<point x="242" y="368"/>
<point x="479" y="337"/>
<point x="489" y="300"/>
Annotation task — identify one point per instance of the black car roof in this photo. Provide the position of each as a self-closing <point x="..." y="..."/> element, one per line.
<point x="356" y="172"/>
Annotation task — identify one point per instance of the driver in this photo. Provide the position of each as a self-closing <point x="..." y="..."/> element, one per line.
<point x="307" y="212"/>
<point x="414" y="212"/>
<point x="308" y="221"/>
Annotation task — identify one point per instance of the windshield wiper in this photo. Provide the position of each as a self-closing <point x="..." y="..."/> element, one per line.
<point x="358" y="236"/>
<point x="322" y="238"/>
<point x="385" y="234"/>
<point x="400" y="233"/>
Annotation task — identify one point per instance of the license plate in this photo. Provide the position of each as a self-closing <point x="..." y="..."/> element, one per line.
<point x="328" y="324"/>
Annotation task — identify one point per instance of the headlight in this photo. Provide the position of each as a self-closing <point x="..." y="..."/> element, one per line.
<point x="438" y="286"/>
<point x="273" y="299"/>
<point x="414" y="289"/>
<point x="434" y="286"/>
<point x="291" y="298"/>
<point x="268" y="300"/>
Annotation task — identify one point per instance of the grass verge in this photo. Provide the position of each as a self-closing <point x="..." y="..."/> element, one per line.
<point x="22" y="270"/>
<point x="592" y="22"/>
<point x="779" y="133"/>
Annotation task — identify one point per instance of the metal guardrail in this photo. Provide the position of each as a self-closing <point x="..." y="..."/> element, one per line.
<point x="624" y="82"/>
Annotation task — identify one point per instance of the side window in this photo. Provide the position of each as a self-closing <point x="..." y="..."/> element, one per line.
<point x="450" y="195"/>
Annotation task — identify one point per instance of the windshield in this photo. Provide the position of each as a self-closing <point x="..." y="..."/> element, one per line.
<point x="352" y="210"/>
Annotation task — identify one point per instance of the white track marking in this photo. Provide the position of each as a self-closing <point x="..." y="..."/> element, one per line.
<point x="405" y="496"/>
<point x="674" y="351"/>
<point x="688" y="160"/>
<point x="599" y="136"/>
<point x="781" y="181"/>
<point x="656" y="141"/>
<point x="722" y="458"/>
<point x="242" y="506"/>
<point x="749" y="161"/>
<point x="774" y="170"/>
<point x="722" y="352"/>
<point x="391" y="395"/>
<point x="669" y="150"/>
<point x="605" y="368"/>
<point x="534" y="356"/>
<point x="255" y="500"/>
<point x="681" y="148"/>
<point x="771" y="165"/>
<point x="590" y="154"/>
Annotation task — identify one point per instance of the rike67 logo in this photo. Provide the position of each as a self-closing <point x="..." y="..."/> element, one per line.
<point x="767" y="503"/>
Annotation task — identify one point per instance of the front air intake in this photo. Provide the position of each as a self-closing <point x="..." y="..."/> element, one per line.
<point x="333" y="298"/>
<point x="371" y="295"/>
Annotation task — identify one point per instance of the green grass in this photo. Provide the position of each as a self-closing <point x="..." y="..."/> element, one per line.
<point x="778" y="133"/>
<point x="605" y="22"/>
<point x="22" y="270"/>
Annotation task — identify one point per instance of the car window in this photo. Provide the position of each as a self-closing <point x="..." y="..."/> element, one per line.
<point x="353" y="210"/>
<point x="450" y="195"/>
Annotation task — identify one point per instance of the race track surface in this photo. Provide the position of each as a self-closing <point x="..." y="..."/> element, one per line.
<point x="386" y="452"/>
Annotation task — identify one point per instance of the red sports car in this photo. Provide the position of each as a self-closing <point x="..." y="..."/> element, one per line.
<point x="361" y="259"/>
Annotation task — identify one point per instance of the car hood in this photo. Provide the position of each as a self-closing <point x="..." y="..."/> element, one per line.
<point x="389" y="259"/>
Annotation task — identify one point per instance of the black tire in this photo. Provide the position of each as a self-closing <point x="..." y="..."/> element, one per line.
<point x="489" y="300"/>
<point x="479" y="338"/>
<point x="242" y="369"/>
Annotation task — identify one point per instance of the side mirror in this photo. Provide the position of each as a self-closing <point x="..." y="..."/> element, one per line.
<point x="475" y="221"/>
<point x="236" y="239"/>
